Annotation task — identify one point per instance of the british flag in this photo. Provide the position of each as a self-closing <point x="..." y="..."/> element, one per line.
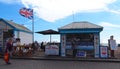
<point x="26" y="12"/>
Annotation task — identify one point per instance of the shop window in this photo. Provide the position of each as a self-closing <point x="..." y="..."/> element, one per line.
<point x="81" y="39"/>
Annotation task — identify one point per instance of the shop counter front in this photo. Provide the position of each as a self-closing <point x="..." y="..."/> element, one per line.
<point x="82" y="51"/>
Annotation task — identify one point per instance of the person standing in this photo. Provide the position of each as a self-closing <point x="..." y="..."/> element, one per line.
<point x="9" y="49"/>
<point x="74" y="48"/>
<point x="112" y="46"/>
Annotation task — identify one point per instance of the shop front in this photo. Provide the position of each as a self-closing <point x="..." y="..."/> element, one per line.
<point x="80" y="39"/>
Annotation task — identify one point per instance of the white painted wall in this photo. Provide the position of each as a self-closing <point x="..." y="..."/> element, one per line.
<point x="26" y="38"/>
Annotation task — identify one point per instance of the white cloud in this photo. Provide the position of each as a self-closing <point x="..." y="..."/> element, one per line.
<point x="109" y="25"/>
<point x="52" y="10"/>
<point x="113" y="11"/>
<point x="109" y="29"/>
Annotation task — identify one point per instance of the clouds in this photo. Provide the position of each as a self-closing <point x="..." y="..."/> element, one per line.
<point x="52" y="10"/>
<point x="109" y="29"/>
<point x="109" y="25"/>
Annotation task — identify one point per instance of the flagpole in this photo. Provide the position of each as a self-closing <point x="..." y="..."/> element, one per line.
<point x="33" y="29"/>
<point x="28" y="13"/>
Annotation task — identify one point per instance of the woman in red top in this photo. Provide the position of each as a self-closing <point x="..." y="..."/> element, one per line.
<point x="9" y="49"/>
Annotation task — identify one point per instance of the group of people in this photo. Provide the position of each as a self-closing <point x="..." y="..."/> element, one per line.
<point x="9" y="46"/>
<point x="11" y="41"/>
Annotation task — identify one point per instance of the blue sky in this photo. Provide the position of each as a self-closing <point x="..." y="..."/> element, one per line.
<point x="53" y="14"/>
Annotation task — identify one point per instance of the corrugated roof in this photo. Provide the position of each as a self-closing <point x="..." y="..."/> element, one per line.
<point x="81" y="25"/>
<point x="17" y="26"/>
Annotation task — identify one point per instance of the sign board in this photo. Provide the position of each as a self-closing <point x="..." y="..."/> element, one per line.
<point x="104" y="52"/>
<point x="81" y="54"/>
<point x="96" y="45"/>
<point x="63" y="44"/>
<point x="113" y="45"/>
<point x="52" y="50"/>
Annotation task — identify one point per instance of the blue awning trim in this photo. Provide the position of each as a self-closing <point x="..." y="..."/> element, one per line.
<point x="81" y="30"/>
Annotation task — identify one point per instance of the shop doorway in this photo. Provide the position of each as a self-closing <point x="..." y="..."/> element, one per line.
<point x="7" y="34"/>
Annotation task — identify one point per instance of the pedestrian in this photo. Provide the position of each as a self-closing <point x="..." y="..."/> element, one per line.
<point x="9" y="49"/>
<point x="112" y="46"/>
<point x="43" y="46"/>
<point x="74" y="48"/>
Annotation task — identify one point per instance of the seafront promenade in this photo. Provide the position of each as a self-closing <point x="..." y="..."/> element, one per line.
<point x="39" y="54"/>
<point x="59" y="58"/>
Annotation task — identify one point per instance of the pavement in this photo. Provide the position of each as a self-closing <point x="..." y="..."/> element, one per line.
<point x="58" y="58"/>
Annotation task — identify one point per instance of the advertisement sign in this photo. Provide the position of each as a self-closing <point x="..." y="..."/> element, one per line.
<point x="113" y="45"/>
<point x="104" y="52"/>
<point x="81" y="54"/>
<point x="52" y="50"/>
<point x="63" y="44"/>
<point x="96" y="45"/>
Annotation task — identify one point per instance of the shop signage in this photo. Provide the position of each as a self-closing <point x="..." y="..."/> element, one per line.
<point x="81" y="54"/>
<point x="104" y="52"/>
<point x="63" y="44"/>
<point x="96" y="45"/>
<point x="52" y="50"/>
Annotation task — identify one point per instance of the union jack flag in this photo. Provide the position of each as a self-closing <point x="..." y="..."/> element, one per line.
<point x="26" y="12"/>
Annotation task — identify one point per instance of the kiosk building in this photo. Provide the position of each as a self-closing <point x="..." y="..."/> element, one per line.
<point x="87" y="39"/>
<point x="8" y="28"/>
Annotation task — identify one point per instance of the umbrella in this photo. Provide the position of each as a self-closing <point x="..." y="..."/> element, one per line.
<point x="48" y="32"/>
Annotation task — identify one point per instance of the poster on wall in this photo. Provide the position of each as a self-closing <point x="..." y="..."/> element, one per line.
<point x="96" y="45"/>
<point x="104" y="52"/>
<point x="63" y="44"/>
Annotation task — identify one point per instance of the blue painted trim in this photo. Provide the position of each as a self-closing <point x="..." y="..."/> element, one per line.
<point x="80" y="31"/>
<point x="86" y="48"/>
<point x="99" y="45"/>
